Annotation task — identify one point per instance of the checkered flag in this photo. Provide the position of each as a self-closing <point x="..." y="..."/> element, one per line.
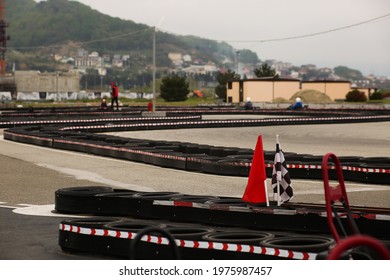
<point x="281" y="183"/>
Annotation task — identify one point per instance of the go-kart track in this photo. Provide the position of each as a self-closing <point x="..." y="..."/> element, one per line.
<point x="79" y="183"/>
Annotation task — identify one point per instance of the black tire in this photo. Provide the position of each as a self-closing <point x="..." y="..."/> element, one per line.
<point x="132" y="225"/>
<point x="218" y="151"/>
<point x="375" y="178"/>
<point x="350" y="159"/>
<point x="239" y="237"/>
<point x="295" y="157"/>
<point x="84" y="191"/>
<point x="376" y="160"/>
<point x="311" y="244"/>
<point x="311" y="159"/>
<point x="94" y="222"/>
<point x="121" y="193"/>
<point x="234" y="167"/>
<point x="79" y="200"/>
<point x="156" y="195"/>
<point x="190" y="149"/>
<point x="120" y="203"/>
<point x="193" y="198"/>
<point x="240" y="157"/>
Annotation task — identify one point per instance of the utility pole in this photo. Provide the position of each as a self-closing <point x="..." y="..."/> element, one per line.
<point x="3" y="38"/>
<point x="154" y="68"/>
<point x="154" y="63"/>
<point x="238" y="61"/>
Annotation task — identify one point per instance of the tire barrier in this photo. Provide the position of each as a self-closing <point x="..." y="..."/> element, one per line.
<point x="156" y="242"/>
<point x="184" y="156"/>
<point x="198" y="158"/>
<point x="204" y="233"/>
<point x="214" y="211"/>
<point x="222" y="212"/>
<point x="95" y="121"/>
<point x="224" y="123"/>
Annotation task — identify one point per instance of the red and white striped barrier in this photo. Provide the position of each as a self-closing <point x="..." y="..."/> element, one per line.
<point x="205" y="245"/>
<point x="122" y="119"/>
<point x="233" y="122"/>
<point x="200" y="160"/>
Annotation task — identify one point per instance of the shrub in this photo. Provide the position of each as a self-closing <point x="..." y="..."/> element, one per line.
<point x="385" y="93"/>
<point x="376" y="96"/>
<point x="174" y="88"/>
<point x="355" y="96"/>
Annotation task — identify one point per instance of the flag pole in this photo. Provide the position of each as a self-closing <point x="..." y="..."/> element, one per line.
<point x="278" y="181"/>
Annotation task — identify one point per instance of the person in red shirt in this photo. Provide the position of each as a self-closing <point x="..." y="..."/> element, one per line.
<point x="114" y="96"/>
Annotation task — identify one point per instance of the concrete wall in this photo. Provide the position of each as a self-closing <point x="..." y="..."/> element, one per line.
<point x="263" y="90"/>
<point x="258" y="91"/>
<point x="33" y="81"/>
<point x="286" y="89"/>
<point x="336" y="90"/>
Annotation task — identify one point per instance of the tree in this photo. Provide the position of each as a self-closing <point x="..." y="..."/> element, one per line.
<point x="355" y="96"/>
<point x="248" y="56"/>
<point x="347" y="73"/>
<point x="265" y="71"/>
<point x="377" y="95"/>
<point x="174" y="88"/>
<point x="222" y="79"/>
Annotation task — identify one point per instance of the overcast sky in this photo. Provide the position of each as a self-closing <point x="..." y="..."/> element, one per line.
<point x="365" y="47"/>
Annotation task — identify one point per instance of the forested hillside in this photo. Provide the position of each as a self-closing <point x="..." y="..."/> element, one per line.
<point x="60" y="25"/>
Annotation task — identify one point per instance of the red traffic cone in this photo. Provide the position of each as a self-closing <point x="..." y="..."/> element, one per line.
<point x="256" y="189"/>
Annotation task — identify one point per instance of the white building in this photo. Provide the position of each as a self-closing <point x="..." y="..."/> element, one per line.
<point x="85" y="60"/>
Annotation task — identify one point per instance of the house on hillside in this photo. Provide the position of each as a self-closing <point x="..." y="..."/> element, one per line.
<point x="84" y="60"/>
<point x="117" y="61"/>
<point x="261" y="89"/>
<point x="201" y="69"/>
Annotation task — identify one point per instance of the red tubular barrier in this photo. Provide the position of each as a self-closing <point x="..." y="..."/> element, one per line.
<point x="335" y="194"/>
<point x="356" y="241"/>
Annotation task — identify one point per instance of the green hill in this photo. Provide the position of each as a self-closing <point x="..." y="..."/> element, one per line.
<point x="60" y="26"/>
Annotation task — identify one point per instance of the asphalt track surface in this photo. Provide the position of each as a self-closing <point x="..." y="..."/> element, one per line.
<point x="30" y="175"/>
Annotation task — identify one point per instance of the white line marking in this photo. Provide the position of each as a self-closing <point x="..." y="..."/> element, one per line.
<point x="9" y="207"/>
<point x="42" y="210"/>
<point x="26" y="205"/>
